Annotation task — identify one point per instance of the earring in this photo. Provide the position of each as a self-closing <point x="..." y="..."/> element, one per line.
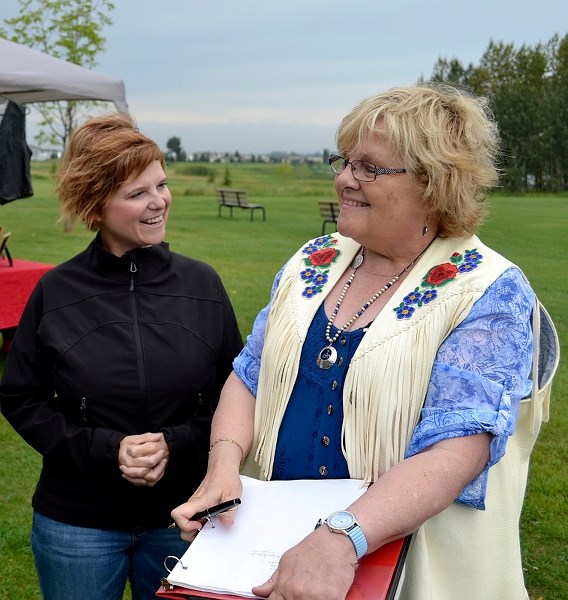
<point x="425" y="229"/>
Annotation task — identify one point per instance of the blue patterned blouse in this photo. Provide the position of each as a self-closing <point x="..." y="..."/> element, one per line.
<point x="480" y="374"/>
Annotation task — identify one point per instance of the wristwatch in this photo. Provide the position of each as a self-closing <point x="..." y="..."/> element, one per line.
<point x="344" y="522"/>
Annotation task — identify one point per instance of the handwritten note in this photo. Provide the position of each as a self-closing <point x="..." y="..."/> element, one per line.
<point x="273" y="516"/>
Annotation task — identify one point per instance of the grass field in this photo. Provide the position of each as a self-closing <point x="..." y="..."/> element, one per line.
<point x="529" y="230"/>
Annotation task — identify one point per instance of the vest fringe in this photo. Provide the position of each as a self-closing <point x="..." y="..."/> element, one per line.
<point x="388" y="377"/>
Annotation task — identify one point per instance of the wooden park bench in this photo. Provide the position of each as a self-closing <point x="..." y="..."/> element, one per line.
<point x="329" y="211"/>
<point x="237" y="199"/>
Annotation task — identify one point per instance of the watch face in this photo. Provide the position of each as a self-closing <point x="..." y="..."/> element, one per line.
<point x="341" y="519"/>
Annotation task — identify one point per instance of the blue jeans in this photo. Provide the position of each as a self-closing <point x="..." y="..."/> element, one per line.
<point x="80" y="563"/>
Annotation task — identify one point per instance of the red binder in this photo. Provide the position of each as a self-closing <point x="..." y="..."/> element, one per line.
<point x="377" y="577"/>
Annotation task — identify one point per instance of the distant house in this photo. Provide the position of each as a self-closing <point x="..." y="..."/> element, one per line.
<point x="293" y="158"/>
<point x="44" y="153"/>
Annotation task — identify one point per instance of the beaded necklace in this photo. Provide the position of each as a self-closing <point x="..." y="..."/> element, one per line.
<point x="328" y="354"/>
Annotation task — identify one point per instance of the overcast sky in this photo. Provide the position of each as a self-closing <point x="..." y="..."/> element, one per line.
<point x="263" y="75"/>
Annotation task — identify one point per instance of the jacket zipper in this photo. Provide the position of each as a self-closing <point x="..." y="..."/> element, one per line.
<point x="83" y="409"/>
<point x="138" y="343"/>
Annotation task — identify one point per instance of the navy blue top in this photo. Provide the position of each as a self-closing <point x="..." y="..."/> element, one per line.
<point x="315" y="410"/>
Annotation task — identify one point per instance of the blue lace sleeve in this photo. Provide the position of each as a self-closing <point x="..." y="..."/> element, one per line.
<point x="480" y="375"/>
<point x="247" y="364"/>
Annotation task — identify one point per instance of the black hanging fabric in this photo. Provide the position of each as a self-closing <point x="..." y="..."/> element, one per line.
<point x="15" y="155"/>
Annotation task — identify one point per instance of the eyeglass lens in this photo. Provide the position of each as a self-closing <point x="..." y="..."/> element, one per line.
<point x="361" y="169"/>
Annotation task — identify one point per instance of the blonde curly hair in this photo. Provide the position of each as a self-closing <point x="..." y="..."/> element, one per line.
<point x="448" y="140"/>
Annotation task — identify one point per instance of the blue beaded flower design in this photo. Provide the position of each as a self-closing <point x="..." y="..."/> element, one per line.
<point x="320" y="255"/>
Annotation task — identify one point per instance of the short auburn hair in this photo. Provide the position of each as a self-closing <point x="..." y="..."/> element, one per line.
<point x="101" y="156"/>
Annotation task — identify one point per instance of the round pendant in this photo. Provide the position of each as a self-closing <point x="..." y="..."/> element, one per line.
<point x="327" y="357"/>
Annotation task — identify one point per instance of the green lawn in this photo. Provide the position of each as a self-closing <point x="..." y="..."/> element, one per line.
<point x="529" y="230"/>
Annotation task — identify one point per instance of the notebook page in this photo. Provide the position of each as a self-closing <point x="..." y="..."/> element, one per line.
<point x="273" y="516"/>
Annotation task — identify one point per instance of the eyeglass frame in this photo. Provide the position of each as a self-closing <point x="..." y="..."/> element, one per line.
<point x="376" y="170"/>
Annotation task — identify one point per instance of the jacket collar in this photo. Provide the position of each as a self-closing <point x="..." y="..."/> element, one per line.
<point x="149" y="261"/>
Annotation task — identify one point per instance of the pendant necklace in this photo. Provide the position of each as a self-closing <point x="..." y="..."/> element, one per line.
<point x="328" y="354"/>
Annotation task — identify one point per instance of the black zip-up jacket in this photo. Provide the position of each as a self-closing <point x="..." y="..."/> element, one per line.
<point x="109" y="347"/>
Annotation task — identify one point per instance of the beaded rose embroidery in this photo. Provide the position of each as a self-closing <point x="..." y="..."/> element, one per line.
<point x="437" y="277"/>
<point x="321" y="254"/>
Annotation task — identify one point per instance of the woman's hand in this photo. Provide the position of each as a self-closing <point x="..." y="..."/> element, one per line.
<point x="320" y="566"/>
<point x="231" y="440"/>
<point x="143" y="458"/>
<point x="218" y="486"/>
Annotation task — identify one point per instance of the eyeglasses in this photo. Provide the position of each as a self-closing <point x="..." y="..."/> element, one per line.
<point x="360" y="169"/>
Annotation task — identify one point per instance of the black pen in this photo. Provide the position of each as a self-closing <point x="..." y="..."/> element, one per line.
<point x="208" y="513"/>
<point x="213" y="511"/>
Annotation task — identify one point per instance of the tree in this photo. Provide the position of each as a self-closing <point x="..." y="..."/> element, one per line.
<point x="175" y="150"/>
<point x="557" y="112"/>
<point x="452" y="71"/>
<point x="66" y="29"/>
<point x="528" y="89"/>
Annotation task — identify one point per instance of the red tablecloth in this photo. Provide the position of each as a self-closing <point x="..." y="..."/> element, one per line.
<point x="16" y="285"/>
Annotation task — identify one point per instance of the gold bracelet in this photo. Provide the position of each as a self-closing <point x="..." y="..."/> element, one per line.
<point x="232" y="441"/>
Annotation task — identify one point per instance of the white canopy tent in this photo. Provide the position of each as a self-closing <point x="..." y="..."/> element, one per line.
<point x="27" y="75"/>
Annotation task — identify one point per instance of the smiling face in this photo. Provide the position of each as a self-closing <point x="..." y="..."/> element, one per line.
<point x="387" y="210"/>
<point x="137" y="213"/>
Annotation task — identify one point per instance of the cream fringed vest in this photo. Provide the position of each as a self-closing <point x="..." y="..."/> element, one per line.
<point x="388" y="377"/>
<point x="461" y="552"/>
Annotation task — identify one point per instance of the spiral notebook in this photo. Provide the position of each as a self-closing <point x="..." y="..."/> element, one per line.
<point x="226" y="562"/>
